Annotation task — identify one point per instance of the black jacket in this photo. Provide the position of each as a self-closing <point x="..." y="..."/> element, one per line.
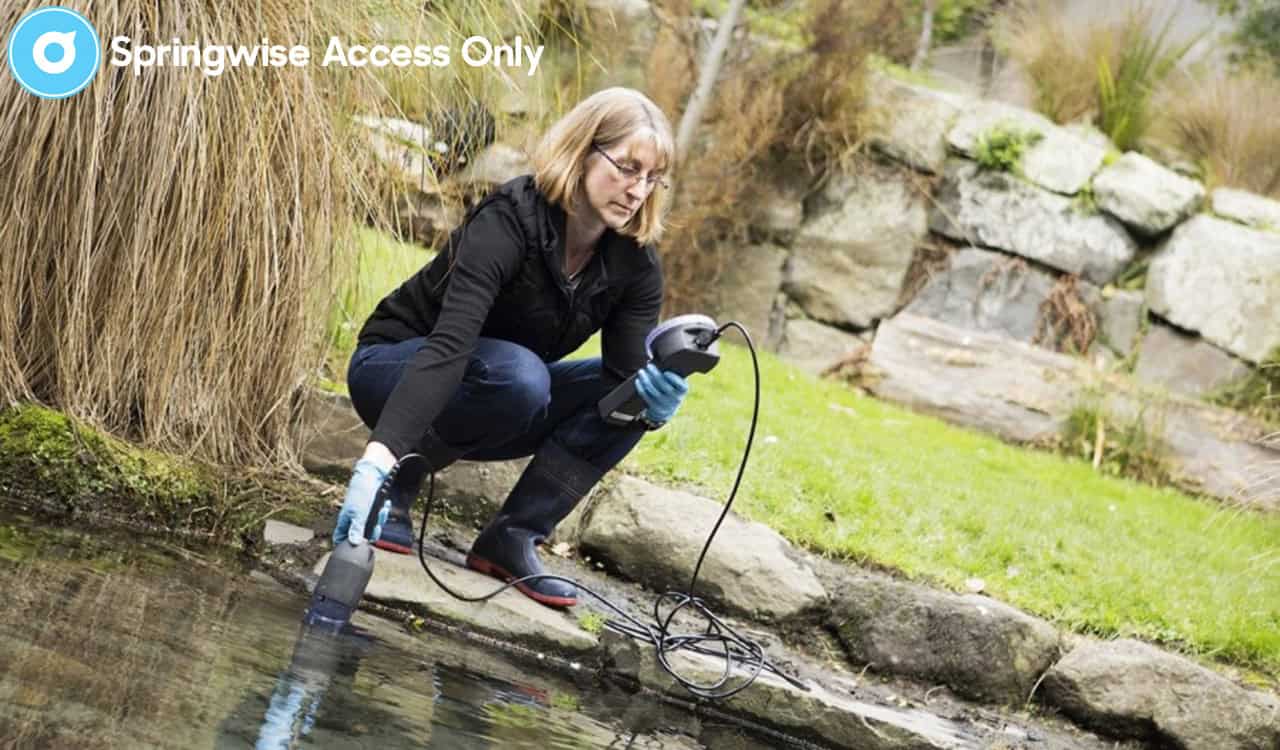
<point x="501" y="276"/>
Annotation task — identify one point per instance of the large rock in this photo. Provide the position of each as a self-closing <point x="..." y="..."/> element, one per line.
<point x="911" y="122"/>
<point x="1062" y="162"/>
<point x="1026" y="394"/>
<point x="1145" y="195"/>
<point x="1185" y="364"/>
<point x="814" y="347"/>
<point x="333" y="437"/>
<point x="1248" y="209"/>
<point x="1120" y="315"/>
<point x="986" y="291"/>
<point x="471" y="492"/>
<point x="981" y="648"/>
<point x="1221" y="280"/>
<point x="1059" y="161"/>
<point x="998" y="210"/>
<point x="1130" y="689"/>
<point x="654" y="535"/>
<point x="398" y="580"/>
<point x="984" y="115"/>
<point x="748" y="288"/>
<point x="835" y="718"/>
<point x="495" y="165"/>
<point x="848" y="265"/>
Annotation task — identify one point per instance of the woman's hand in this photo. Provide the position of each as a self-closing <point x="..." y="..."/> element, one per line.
<point x="367" y="477"/>
<point x="662" y="391"/>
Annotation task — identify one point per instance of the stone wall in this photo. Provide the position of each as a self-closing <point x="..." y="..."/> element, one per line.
<point x="1050" y="255"/>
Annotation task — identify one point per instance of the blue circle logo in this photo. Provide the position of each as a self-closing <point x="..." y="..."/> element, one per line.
<point x="54" y="52"/>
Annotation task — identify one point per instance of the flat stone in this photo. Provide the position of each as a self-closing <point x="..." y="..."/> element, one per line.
<point x="399" y="580"/>
<point x="998" y="210"/>
<point x="838" y="719"/>
<point x="1144" y="195"/>
<point x="279" y="532"/>
<point x="1025" y="393"/>
<point x="813" y="346"/>
<point x="981" y="290"/>
<point x="847" y="265"/>
<point x="910" y="122"/>
<point x="1129" y="689"/>
<point x="1185" y="364"/>
<point x="981" y="648"/>
<point x="654" y="535"/>
<point x="1247" y="208"/>
<point x="1222" y="281"/>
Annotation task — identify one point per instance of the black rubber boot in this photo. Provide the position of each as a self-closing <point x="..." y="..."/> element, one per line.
<point x="397" y="532"/>
<point x="550" y="487"/>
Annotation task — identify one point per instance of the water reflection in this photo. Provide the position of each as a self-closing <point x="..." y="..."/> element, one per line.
<point x="109" y="643"/>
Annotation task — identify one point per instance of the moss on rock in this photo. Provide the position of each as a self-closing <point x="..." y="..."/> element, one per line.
<point x="67" y="466"/>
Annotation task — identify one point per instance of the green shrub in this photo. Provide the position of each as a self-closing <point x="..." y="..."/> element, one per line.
<point x="1002" y="147"/>
<point x="1127" y="449"/>
<point x="1128" y="73"/>
<point x="1107" y="73"/>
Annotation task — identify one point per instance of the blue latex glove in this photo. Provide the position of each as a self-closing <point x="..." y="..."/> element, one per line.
<point x="662" y="391"/>
<point x="361" y="491"/>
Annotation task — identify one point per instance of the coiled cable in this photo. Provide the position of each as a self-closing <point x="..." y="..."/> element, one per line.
<point x="718" y="639"/>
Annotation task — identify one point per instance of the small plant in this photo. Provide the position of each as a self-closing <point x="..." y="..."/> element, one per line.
<point x="1126" y="449"/>
<point x="1085" y="201"/>
<point x="1257" y="394"/>
<point x="591" y="622"/>
<point x="1002" y="147"/>
<point x="1066" y="323"/>
<point x="1108" y="73"/>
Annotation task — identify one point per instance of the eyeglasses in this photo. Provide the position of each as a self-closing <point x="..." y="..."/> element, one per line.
<point x="631" y="174"/>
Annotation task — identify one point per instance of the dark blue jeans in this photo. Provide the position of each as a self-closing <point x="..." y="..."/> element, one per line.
<point x="508" y="404"/>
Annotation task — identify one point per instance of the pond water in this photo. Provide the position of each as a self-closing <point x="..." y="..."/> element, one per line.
<point x="108" y="641"/>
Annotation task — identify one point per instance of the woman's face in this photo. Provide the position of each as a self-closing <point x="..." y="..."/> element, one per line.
<point x="616" y="189"/>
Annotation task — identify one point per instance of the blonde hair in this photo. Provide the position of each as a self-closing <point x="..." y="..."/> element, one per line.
<point x="603" y="119"/>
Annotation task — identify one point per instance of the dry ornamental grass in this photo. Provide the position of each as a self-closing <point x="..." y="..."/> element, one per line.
<point x="170" y="238"/>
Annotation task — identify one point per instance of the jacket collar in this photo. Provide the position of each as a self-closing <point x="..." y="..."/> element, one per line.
<point x="620" y="257"/>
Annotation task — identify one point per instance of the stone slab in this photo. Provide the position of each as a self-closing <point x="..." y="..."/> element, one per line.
<point x="398" y="580"/>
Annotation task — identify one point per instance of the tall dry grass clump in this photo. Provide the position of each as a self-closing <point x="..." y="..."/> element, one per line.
<point x="1230" y="126"/>
<point x="1106" y="72"/>
<point x="168" y="239"/>
<point x="785" y="107"/>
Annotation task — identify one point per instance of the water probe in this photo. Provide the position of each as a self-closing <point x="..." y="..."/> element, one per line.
<point x="685" y="344"/>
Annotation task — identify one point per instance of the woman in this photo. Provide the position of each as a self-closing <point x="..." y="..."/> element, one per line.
<point x="464" y="360"/>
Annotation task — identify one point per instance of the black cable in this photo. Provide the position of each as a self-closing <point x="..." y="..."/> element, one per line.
<point x="718" y="639"/>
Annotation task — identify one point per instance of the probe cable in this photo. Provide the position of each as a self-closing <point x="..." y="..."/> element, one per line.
<point x="718" y="639"/>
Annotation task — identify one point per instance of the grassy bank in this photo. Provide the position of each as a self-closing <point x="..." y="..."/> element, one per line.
<point x="853" y="477"/>
<point x="66" y="467"/>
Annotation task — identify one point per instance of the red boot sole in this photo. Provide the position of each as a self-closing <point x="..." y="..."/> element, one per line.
<point x="481" y="565"/>
<point x="399" y="549"/>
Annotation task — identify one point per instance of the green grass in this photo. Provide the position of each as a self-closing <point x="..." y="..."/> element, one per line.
<point x="382" y="264"/>
<point x="852" y="477"/>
